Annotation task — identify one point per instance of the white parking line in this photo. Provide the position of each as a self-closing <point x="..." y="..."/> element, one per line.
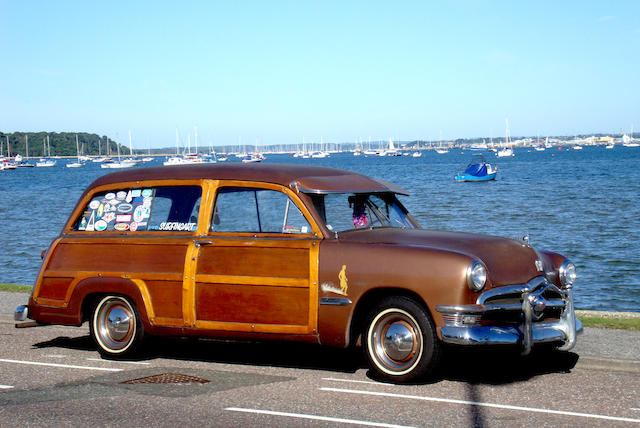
<point x="6" y="386"/>
<point x="480" y="404"/>
<point x="67" y="366"/>
<point x="142" y="363"/>
<point x="316" y="418"/>
<point x="368" y="382"/>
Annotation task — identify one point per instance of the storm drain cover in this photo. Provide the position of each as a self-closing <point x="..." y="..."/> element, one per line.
<point x="166" y="378"/>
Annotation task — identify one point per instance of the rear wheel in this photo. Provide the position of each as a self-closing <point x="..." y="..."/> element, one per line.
<point x="400" y="341"/>
<point x="115" y="326"/>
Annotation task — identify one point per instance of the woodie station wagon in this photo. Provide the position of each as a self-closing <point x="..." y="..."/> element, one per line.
<point x="291" y="252"/>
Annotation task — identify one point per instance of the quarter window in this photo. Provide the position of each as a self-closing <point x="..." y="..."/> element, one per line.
<point x="142" y="209"/>
<point x="254" y="210"/>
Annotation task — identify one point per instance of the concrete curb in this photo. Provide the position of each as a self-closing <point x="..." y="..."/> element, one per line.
<point x="608" y="365"/>
<point x="605" y="314"/>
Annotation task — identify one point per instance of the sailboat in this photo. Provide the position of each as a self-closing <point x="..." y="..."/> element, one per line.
<point x="442" y="150"/>
<point x="391" y="150"/>
<point x="119" y="164"/>
<point x="507" y="150"/>
<point x="44" y="161"/>
<point x="76" y="164"/>
<point x="628" y="141"/>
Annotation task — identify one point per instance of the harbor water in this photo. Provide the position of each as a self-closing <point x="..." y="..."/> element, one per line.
<point x="581" y="203"/>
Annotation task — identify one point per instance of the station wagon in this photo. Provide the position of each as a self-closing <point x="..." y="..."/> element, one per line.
<point x="292" y="252"/>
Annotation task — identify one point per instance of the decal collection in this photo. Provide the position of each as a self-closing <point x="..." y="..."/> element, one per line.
<point x="121" y="211"/>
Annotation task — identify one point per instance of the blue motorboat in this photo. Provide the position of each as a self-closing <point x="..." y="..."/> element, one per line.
<point x="478" y="170"/>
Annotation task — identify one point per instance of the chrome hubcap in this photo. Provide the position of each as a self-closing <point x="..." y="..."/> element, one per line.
<point x="118" y="323"/>
<point x="398" y="341"/>
<point x="395" y="341"/>
<point x="115" y="324"/>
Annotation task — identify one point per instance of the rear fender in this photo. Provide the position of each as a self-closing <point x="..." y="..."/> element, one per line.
<point x="85" y="289"/>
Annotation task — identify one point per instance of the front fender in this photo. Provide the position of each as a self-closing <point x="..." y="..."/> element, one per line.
<point x="349" y="272"/>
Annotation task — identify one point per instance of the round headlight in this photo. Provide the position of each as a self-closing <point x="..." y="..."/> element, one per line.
<point x="567" y="273"/>
<point x="476" y="275"/>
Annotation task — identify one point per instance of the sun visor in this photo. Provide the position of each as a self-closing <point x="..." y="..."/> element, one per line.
<point x="348" y="183"/>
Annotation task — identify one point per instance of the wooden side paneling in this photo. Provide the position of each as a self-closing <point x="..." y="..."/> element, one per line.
<point x="123" y="256"/>
<point x="166" y="298"/>
<point x="252" y="304"/>
<point x="253" y="261"/>
<point x="55" y="288"/>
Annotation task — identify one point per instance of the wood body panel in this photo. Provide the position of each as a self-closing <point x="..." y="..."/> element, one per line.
<point x="154" y="264"/>
<point x="252" y="304"/>
<point x="54" y="288"/>
<point x="166" y="298"/>
<point x="118" y="255"/>
<point x="257" y="284"/>
<point x="225" y="258"/>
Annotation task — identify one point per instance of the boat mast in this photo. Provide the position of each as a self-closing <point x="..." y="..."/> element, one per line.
<point x="507" y="136"/>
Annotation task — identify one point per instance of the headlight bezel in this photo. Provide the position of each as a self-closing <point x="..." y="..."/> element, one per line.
<point x="567" y="273"/>
<point x="477" y="275"/>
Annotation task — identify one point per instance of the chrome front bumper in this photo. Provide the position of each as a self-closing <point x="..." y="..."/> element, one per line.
<point x="471" y="325"/>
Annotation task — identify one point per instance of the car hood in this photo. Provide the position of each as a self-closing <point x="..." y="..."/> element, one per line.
<point x="508" y="261"/>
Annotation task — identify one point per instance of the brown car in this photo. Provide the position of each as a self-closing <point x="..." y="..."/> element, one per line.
<point x="291" y="252"/>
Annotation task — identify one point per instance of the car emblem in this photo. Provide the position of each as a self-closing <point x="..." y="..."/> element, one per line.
<point x="539" y="265"/>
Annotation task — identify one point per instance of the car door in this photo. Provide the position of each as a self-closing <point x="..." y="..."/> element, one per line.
<point x="258" y="269"/>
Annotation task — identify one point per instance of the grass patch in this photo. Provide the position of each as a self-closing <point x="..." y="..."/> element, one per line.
<point x="15" y="288"/>
<point x="611" y="322"/>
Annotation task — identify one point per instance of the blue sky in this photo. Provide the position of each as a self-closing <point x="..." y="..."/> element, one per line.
<point x="277" y="72"/>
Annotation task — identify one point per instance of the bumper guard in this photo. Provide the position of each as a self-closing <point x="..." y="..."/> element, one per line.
<point x="462" y="323"/>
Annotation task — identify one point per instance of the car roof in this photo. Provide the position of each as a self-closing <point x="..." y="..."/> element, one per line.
<point x="304" y="178"/>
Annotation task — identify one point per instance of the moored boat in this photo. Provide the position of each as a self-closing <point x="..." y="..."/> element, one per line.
<point x="478" y="170"/>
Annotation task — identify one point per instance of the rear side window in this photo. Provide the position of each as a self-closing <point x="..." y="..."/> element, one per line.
<point x="252" y="210"/>
<point x="142" y="209"/>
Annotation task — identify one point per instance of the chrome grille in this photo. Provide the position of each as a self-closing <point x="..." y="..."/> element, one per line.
<point x="505" y="303"/>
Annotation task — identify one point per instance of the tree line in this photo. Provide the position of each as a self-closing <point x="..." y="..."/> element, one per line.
<point x="61" y="144"/>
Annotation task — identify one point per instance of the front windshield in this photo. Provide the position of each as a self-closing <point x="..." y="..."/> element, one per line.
<point x="349" y="211"/>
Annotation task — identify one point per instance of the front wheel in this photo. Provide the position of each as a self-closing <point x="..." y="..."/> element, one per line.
<point x="400" y="341"/>
<point x="115" y="326"/>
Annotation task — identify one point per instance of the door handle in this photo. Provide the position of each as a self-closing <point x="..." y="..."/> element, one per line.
<point x="201" y="243"/>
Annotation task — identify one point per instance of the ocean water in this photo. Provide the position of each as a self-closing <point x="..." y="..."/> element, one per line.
<point x="584" y="204"/>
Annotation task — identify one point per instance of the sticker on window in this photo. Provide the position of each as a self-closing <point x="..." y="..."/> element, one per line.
<point x="116" y="211"/>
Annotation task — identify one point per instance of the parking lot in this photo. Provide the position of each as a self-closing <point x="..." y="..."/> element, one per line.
<point x="53" y="376"/>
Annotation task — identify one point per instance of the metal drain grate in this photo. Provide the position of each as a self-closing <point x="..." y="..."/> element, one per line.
<point x="166" y="378"/>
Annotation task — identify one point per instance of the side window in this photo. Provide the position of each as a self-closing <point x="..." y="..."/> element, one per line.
<point x="143" y="209"/>
<point x="253" y="210"/>
<point x="175" y="209"/>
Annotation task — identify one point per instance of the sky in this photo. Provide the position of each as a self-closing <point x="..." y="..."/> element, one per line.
<point x="277" y="72"/>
